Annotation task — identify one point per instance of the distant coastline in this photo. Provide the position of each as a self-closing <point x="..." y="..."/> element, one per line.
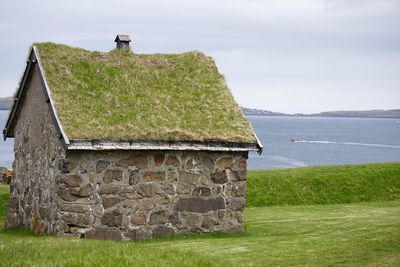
<point x="392" y="113"/>
<point x="5" y="103"/>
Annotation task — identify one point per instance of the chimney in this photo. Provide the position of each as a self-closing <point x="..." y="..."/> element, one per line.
<point x="123" y="42"/>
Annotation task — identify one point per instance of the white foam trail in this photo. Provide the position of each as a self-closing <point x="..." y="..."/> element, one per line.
<point x="348" y="143"/>
<point x="290" y="161"/>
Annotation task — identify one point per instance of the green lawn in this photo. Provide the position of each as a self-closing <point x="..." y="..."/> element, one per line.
<point x="324" y="185"/>
<point x="358" y="234"/>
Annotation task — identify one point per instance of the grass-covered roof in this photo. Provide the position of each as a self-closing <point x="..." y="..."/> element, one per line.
<point x="126" y="96"/>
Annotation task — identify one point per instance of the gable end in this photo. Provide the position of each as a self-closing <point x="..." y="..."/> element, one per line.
<point x="32" y="63"/>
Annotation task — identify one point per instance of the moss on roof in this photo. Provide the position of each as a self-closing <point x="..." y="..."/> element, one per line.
<point x="125" y="96"/>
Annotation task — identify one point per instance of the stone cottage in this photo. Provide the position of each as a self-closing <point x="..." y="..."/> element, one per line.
<point x="121" y="145"/>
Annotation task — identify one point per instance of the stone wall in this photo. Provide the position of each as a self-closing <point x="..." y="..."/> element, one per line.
<point x="32" y="202"/>
<point x="138" y="195"/>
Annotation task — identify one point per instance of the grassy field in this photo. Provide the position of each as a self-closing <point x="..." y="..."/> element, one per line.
<point x="324" y="185"/>
<point x="358" y="234"/>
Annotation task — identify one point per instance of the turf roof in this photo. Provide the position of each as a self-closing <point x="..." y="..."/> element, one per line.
<point x="126" y="96"/>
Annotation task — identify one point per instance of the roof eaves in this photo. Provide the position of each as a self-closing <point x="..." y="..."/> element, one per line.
<point x="259" y="145"/>
<point x="122" y="37"/>
<point x="161" y="145"/>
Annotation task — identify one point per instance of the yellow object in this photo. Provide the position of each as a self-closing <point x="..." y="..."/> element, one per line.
<point x="7" y="177"/>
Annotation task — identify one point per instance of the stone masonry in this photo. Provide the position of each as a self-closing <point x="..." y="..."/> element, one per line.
<point x="118" y="194"/>
<point x="37" y="150"/>
<point x="138" y="195"/>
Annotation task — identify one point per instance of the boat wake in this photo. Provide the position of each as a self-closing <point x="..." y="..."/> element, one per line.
<point x="288" y="162"/>
<point x="349" y="143"/>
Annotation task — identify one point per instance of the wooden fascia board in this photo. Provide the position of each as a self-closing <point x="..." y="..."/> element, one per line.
<point x="19" y="96"/>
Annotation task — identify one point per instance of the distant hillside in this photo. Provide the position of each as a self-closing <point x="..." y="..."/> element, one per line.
<point x="5" y="103"/>
<point x="261" y="112"/>
<point x="393" y="113"/>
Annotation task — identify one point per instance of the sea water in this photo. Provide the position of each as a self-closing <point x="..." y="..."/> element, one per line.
<point x="319" y="141"/>
<point x="6" y="147"/>
<point x="324" y="141"/>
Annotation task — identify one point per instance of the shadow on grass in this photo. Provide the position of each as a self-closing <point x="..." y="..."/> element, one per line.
<point x="197" y="236"/>
<point x="18" y="232"/>
<point x="23" y="232"/>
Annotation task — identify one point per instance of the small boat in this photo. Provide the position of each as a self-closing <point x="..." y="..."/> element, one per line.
<point x="294" y="140"/>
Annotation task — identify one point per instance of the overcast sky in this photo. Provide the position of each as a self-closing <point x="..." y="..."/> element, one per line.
<point x="287" y="55"/>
